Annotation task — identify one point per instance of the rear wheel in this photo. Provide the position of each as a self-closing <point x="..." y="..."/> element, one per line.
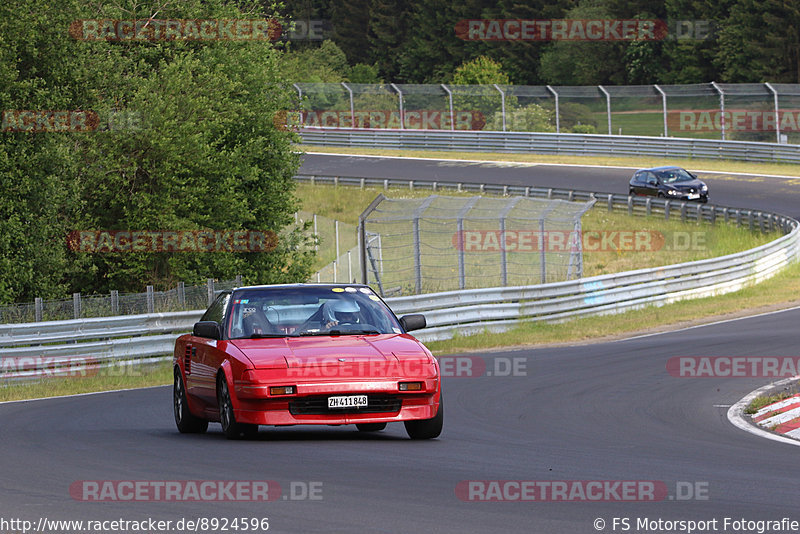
<point x="186" y="422"/>
<point x="230" y="427"/>
<point x="427" y="428"/>
<point x="370" y="427"/>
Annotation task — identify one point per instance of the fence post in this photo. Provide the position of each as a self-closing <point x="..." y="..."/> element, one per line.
<point x="151" y="301"/>
<point x="114" y="302"/>
<point x="76" y="305"/>
<point x="37" y="309"/>
<point x="181" y="295"/>
<point x="336" y="230"/>
<point x="210" y="288"/>
<point x="316" y="234"/>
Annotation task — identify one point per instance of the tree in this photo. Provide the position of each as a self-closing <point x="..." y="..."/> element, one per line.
<point x="202" y="151"/>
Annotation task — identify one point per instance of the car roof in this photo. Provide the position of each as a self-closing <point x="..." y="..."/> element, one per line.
<point x="274" y="286"/>
<point x="664" y="168"/>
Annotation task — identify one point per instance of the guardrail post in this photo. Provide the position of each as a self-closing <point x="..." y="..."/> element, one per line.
<point x="76" y="305"/>
<point x="37" y="309"/>
<point x="151" y="301"/>
<point x="434" y="186"/>
<point x="362" y="183"/>
<point x="630" y="205"/>
<point x="411" y="185"/>
<point x="571" y="195"/>
<point x="713" y="215"/>
<point x="648" y="207"/>
<point x="482" y="188"/>
<point x="335" y="181"/>
<point x="549" y="193"/>
<point x="181" y="296"/>
<point x="699" y="213"/>
<point x="750" y="221"/>
<point x="459" y="187"/>
<point x="505" y="190"/>
<point x="725" y="215"/>
<point x="386" y="185"/>
<point x="666" y="210"/>
<point x="542" y="239"/>
<point x="527" y="191"/>
<point x="683" y="211"/>
<point x="610" y="202"/>
<point x="210" y="289"/>
<point x="738" y="217"/>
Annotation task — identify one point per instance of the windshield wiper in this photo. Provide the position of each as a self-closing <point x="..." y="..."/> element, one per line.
<point x="338" y="332"/>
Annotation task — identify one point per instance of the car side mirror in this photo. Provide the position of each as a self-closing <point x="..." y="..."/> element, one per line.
<point x="207" y="329"/>
<point x="414" y="321"/>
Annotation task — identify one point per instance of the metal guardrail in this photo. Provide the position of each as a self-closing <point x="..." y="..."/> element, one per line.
<point x="551" y="143"/>
<point x="35" y="349"/>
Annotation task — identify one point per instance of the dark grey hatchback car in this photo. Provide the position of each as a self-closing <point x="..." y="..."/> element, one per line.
<point x="668" y="182"/>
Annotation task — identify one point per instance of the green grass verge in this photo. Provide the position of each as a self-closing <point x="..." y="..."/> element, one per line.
<point x="125" y="378"/>
<point x="764" y="400"/>
<point x="670" y="241"/>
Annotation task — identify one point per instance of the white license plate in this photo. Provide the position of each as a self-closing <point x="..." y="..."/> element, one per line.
<point x="692" y="196"/>
<point x="350" y="401"/>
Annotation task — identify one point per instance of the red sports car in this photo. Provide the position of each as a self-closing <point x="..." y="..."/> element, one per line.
<point x="305" y="354"/>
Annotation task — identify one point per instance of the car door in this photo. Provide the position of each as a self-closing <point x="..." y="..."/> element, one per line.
<point x="650" y="184"/>
<point x="205" y="357"/>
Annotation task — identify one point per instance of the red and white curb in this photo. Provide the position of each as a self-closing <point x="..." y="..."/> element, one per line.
<point x="769" y="420"/>
<point x="782" y="417"/>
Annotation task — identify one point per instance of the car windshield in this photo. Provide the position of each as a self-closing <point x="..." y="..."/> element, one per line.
<point x="675" y="175"/>
<point x="308" y="311"/>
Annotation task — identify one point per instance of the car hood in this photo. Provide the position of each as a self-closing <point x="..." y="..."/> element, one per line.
<point x="312" y="351"/>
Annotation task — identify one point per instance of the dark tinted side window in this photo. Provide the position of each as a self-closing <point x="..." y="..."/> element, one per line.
<point x="217" y="309"/>
<point x="638" y="177"/>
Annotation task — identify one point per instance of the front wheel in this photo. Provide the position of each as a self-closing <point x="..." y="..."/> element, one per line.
<point x="186" y="422"/>
<point x="427" y="428"/>
<point x="227" y="419"/>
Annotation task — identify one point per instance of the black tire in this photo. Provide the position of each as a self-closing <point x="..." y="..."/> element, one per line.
<point x="427" y="428"/>
<point x="227" y="419"/>
<point x="370" y="427"/>
<point x="661" y="195"/>
<point x="186" y="422"/>
<point x="631" y="193"/>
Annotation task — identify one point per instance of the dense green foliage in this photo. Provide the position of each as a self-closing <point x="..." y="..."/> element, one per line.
<point x="186" y="140"/>
<point x="415" y="41"/>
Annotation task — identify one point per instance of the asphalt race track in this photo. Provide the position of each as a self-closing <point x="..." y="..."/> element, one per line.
<point x="780" y="195"/>
<point x="601" y="412"/>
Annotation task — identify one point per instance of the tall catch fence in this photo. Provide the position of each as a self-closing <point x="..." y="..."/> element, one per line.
<point x="441" y="243"/>
<point x="755" y="112"/>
